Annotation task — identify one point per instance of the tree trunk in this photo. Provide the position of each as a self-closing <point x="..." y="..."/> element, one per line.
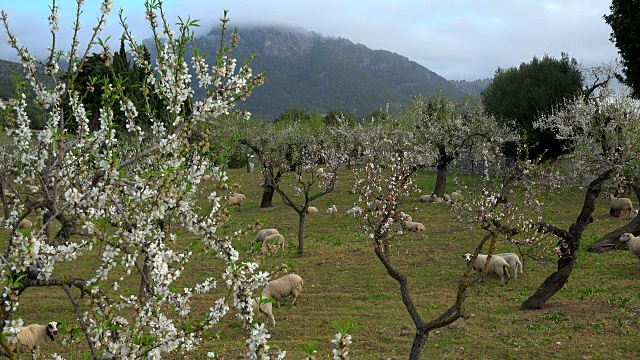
<point x="303" y="215"/>
<point x="612" y="239"/>
<point x="267" y="197"/>
<point x="568" y="245"/>
<point x="441" y="180"/>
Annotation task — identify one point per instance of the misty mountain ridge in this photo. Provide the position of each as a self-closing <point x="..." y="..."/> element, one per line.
<point x="319" y="73"/>
<point x="312" y="72"/>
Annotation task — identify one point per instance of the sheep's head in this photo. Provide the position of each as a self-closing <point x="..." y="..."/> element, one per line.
<point x="468" y="257"/>
<point x="626" y="237"/>
<point x="52" y="329"/>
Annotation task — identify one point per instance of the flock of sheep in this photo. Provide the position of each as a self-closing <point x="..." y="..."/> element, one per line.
<point x="504" y="265"/>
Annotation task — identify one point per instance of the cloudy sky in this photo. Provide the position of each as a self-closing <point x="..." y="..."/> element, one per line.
<point x="458" y="39"/>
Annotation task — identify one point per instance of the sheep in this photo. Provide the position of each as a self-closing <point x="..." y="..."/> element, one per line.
<point x="312" y="210"/>
<point x="413" y="226"/>
<point x="457" y="195"/>
<point x="268" y="241"/>
<point x="433" y="198"/>
<point x="236" y="187"/>
<point x="514" y="262"/>
<point x="290" y="284"/>
<point x="633" y="242"/>
<point x="262" y="234"/>
<point x="446" y="197"/>
<point x="498" y="266"/>
<point x="266" y="309"/>
<point x="406" y="217"/>
<point x="236" y="199"/>
<point x="35" y="335"/>
<point x="354" y="211"/>
<point x="620" y="204"/>
<point x="332" y="210"/>
<point x="25" y="224"/>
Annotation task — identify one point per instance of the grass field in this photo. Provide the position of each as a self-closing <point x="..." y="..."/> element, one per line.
<point x="596" y="316"/>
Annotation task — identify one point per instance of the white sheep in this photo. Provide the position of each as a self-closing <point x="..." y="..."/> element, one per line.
<point x="236" y="199"/>
<point x="457" y="195"/>
<point x="269" y="240"/>
<point x="433" y="198"/>
<point x="633" y="242"/>
<point x="406" y="217"/>
<point x="290" y="284"/>
<point x="413" y="226"/>
<point x="447" y="198"/>
<point x="498" y="266"/>
<point x="35" y="335"/>
<point x="262" y="234"/>
<point x="332" y="210"/>
<point x="514" y="262"/>
<point x="312" y="210"/>
<point x="266" y="310"/>
<point x="619" y="204"/>
<point x="354" y="211"/>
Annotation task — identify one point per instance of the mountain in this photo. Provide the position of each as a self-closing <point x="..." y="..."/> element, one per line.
<point x="308" y="71"/>
<point x="472" y="88"/>
<point x="318" y="73"/>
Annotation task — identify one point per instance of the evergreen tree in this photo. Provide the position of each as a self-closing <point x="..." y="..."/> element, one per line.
<point x="625" y="25"/>
<point x="518" y="96"/>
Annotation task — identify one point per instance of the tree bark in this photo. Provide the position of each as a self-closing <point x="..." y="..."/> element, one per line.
<point x="441" y="180"/>
<point x="301" y="230"/>
<point x="569" y="244"/>
<point x="267" y="197"/>
<point x="611" y="241"/>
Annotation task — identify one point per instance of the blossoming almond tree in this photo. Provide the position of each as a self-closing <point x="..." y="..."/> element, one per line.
<point x="109" y="196"/>
<point x="380" y="185"/>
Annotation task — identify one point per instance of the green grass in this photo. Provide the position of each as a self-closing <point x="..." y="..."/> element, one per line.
<point x="595" y="315"/>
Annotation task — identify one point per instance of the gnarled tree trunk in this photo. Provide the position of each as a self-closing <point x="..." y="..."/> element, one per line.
<point x="569" y="244"/>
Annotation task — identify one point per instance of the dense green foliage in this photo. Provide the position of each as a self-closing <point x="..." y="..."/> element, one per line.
<point x="518" y="96"/>
<point x="625" y="25"/>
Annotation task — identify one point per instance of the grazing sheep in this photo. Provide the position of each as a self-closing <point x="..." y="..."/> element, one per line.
<point x="290" y="284"/>
<point x="236" y="199"/>
<point x="457" y="195"/>
<point x="268" y="242"/>
<point x="413" y="226"/>
<point x="620" y="204"/>
<point x="25" y="224"/>
<point x="633" y="242"/>
<point x="514" y="262"/>
<point x="35" y="335"/>
<point x="354" y="211"/>
<point x="312" y="210"/>
<point x="498" y="266"/>
<point x="262" y="234"/>
<point x="332" y="210"/>
<point x="266" y="310"/>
